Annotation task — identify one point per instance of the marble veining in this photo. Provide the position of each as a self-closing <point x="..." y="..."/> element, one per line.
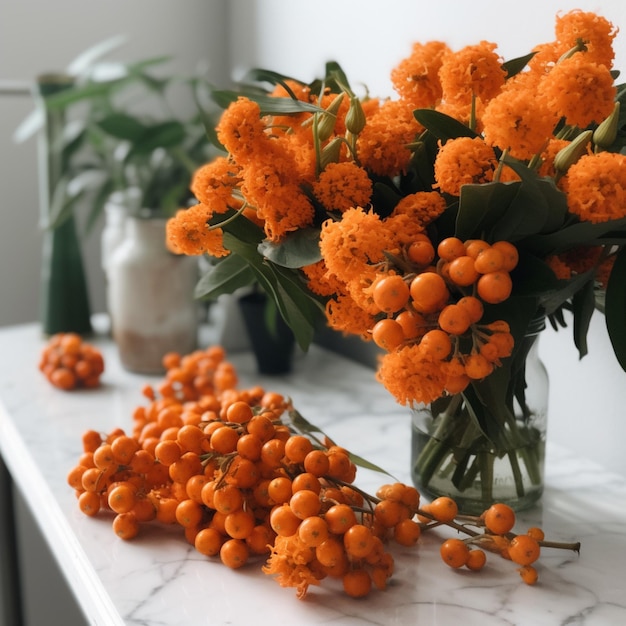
<point x="158" y="579"/>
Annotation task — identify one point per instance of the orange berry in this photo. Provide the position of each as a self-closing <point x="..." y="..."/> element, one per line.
<point x="339" y="518"/>
<point x="126" y="526"/>
<point x="239" y="412"/>
<point x="536" y="533"/>
<point x="477" y="366"/>
<point x="451" y="248"/>
<point x="390" y="293"/>
<point x="421" y="253"/>
<point x="208" y="541"/>
<point x="388" y="334"/>
<point x="510" y="255"/>
<point x="494" y="287"/>
<point x="462" y="271"/>
<point x="475" y="246"/>
<point x="528" y="574"/>
<point x="234" y="553"/>
<point x="305" y="503"/>
<point x="489" y="260"/>
<point x="499" y="518"/>
<point x="313" y="531"/>
<point x="476" y="560"/>
<point x="407" y="532"/>
<point x="239" y="524"/>
<point x="524" y="550"/>
<point x="443" y="509"/>
<point x="297" y="447"/>
<point x="358" y="541"/>
<point x="473" y="306"/>
<point x="413" y="324"/>
<point x="357" y="583"/>
<point x="454" y="320"/>
<point x="428" y="292"/>
<point x="284" y="521"/>
<point x="437" y="343"/>
<point x="454" y="552"/>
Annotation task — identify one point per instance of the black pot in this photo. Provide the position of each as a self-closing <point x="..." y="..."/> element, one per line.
<point x="272" y="341"/>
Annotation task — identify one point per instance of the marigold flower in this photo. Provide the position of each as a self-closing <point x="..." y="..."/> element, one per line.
<point x="411" y="376"/>
<point x="241" y="129"/>
<point x="561" y="269"/>
<point x="416" y="78"/>
<point x="320" y="281"/>
<point x="553" y="147"/>
<point x="348" y="245"/>
<point x="595" y="187"/>
<point x="383" y="145"/>
<point x="580" y="91"/>
<point x="472" y="72"/>
<point x="518" y="121"/>
<point x="604" y="270"/>
<point x="423" y="207"/>
<point x="345" y="315"/>
<point x="342" y="186"/>
<point x="595" y="31"/>
<point x="464" y="161"/>
<point x="285" y="209"/>
<point x="213" y="183"/>
<point x="188" y="232"/>
<point x="289" y="562"/>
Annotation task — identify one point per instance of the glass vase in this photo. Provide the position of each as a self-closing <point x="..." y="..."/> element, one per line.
<point x="487" y="444"/>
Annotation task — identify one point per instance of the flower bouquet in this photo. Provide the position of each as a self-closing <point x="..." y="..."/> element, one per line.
<point x="445" y="225"/>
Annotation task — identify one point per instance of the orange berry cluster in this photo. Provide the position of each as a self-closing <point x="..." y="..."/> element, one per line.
<point x="245" y="477"/>
<point x="69" y="362"/>
<point x="495" y="535"/>
<point x="435" y="298"/>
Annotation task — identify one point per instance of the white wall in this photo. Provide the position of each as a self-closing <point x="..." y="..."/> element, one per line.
<point x="38" y="36"/>
<point x="368" y="37"/>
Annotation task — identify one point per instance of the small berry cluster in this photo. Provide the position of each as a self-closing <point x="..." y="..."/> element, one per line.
<point x="436" y="297"/>
<point x="69" y="362"/>
<point x="494" y="535"/>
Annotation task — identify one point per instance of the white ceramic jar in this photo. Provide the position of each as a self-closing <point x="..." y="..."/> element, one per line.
<point x="150" y="297"/>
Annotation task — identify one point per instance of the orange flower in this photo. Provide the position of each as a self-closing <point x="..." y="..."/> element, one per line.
<point x="547" y="156"/>
<point x="596" y="187"/>
<point x="342" y="186"/>
<point x="416" y="77"/>
<point x="519" y="122"/>
<point x="320" y="281"/>
<point x="472" y="72"/>
<point x="383" y="145"/>
<point x="345" y="315"/>
<point x="241" y="129"/>
<point x="350" y="244"/>
<point x="595" y="31"/>
<point x="411" y="376"/>
<point x="284" y="209"/>
<point x="580" y="91"/>
<point x="188" y="232"/>
<point x="214" y="182"/>
<point x="463" y="161"/>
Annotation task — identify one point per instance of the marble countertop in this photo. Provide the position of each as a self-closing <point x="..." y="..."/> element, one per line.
<point x="159" y="579"/>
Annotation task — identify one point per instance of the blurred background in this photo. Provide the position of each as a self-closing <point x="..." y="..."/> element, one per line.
<point x="224" y="38"/>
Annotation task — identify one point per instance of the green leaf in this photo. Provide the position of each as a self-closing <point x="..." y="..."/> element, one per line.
<point x="615" y="308"/>
<point x="583" y="306"/>
<point x="441" y="125"/>
<point x="123" y="126"/>
<point x="481" y="207"/>
<point x="161" y="135"/>
<point x="269" y="105"/>
<point x="296" y="250"/>
<point x="515" y="66"/>
<point x="228" y="275"/>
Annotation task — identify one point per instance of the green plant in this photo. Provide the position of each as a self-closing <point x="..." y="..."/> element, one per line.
<point x="122" y="131"/>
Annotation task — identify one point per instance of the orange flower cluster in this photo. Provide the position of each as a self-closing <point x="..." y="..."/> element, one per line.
<point x="382" y="189"/>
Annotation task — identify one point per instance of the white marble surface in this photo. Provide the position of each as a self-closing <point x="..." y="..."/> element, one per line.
<point x="158" y="579"/>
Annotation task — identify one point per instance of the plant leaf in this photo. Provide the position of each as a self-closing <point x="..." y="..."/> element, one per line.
<point x="583" y="306"/>
<point x="441" y="125"/>
<point x="225" y="277"/>
<point x="515" y="66"/>
<point x="123" y="126"/>
<point x="615" y="308"/>
<point x="83" y="62"/>
<point x="268" y="104"/>
<point x="296" y="250"/>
